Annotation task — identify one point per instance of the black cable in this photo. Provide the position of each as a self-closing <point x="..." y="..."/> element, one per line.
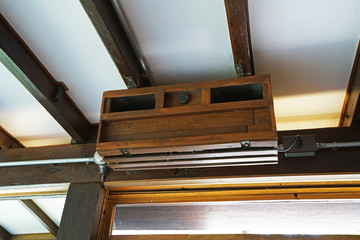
<point x="291" y="145"/>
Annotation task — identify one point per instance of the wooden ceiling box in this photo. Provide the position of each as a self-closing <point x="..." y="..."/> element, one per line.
<point x="206" y="124"/>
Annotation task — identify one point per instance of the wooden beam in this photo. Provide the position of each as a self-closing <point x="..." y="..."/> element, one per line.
<point x="350" y="116"/>
<point x="41" y="216"/>
<point x="19" y="59"/>
<point x="44" y="174"/>
<point x="82" y="211"/>
<point x="238" y="20"/>
<point x="50" y="152"/>
<point x="7" y="141"/>
<point x="63" y="173"/>
<point x="4" y="234"/>
<point x="344" y="160"/>
<point x="235" y="237"/>
<point x="328" y="161"/>
<point x="112" y="33"/>
<point x="39" y="236"/>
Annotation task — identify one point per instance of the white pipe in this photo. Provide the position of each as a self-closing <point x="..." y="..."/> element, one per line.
<point x="48" y="161"/>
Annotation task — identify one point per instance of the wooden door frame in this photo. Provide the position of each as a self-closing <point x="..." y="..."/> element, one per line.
<point x="240" y="188"/>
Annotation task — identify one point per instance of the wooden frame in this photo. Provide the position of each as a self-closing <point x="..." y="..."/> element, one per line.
<point x="286" y="189"/>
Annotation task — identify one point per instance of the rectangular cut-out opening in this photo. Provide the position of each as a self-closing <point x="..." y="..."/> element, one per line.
<point x="237" y="93"/>
<point x="132" y="103"/>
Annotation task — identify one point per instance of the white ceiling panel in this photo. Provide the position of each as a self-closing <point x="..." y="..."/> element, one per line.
<point x="62" y="36"/>
<point x="308" y="47"/>
<point x="16" y="219"/>
<point x="181" y="40"/>
<point x="53" y="207"/>
<point x="23" y="116"/>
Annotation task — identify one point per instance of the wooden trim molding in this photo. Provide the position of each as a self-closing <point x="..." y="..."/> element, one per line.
<point x="350" y="115"/>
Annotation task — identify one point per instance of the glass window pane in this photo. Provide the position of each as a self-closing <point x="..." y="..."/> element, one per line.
<point x="269" y="217"/>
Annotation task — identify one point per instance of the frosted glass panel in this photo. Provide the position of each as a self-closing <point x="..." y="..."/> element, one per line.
<point x="16" y="219"/>
<point x="272" y="217"/>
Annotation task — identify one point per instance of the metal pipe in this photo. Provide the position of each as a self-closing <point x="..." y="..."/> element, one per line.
<point x="99" y="160"/>
<point x="337" y="145"/>
<point x="47" y="161"/>
<point x="128" y="33"/>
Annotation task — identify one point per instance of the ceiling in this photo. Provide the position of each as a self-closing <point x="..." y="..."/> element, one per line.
<point x="16" y="219"/>
<point x="307" y="46"/>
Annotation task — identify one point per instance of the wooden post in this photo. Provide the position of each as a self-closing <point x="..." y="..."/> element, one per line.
<point x="82" y="211"/>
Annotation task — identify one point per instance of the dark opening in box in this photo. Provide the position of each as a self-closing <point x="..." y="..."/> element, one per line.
<point x="132" y="103"/>
<point x="237" y="93"/>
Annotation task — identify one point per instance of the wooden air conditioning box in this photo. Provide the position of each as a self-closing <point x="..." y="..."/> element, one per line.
<point x="204" y="124"/>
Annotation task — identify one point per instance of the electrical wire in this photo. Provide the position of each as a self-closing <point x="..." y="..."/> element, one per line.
<point x="291" y="145"/>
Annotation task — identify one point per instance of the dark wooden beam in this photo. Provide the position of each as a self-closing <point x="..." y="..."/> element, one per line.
<point x="41" y="216"/>
<point x="44" y="174"/>
<point x="4" y="234"/>
<point x="82" y="211"/>
<point x="238" y="20"/>
<point x="19" y="59"/>
<point x="7" y="141"/>
<point x="328" y="161"/>
<point x="62" y="173"/>
<point x="350" y="116"/>
<point x="112" y="33"/>
<point x="50" y="152"/>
